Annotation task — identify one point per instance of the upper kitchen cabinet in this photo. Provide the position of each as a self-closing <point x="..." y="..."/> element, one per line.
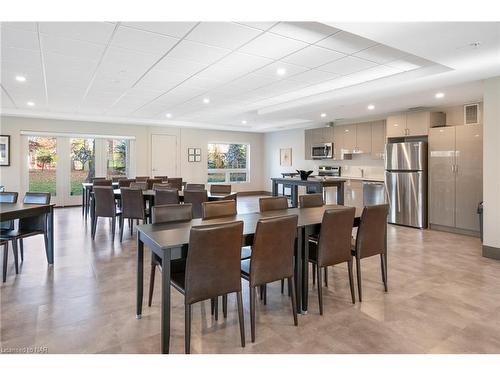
<point x="396" y="125"/>
<point x="363" y="138"/>
<point x="316" y="136"/>
<point x="411" y="124"/>
<point x="378" y="139"/>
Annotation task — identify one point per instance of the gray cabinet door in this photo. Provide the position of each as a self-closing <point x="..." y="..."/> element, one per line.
<point x="349" y="143"/>
<point x="442" y="176"/>
<point x="396" y="125"/>
<point x="378" y="139"/>
<point x="417" y="123"/>
<point x="364" y="138"/>
<point x="469" y="176"/>
<point x="308" y="138"/>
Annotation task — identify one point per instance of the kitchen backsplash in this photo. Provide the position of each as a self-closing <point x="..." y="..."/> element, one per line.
<point x="352" y="168"/>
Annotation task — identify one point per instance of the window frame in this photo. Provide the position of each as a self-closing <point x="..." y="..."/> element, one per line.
<point x="228" y="171"/>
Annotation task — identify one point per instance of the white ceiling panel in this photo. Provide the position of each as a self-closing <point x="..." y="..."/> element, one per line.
<point x="346" y="43"/>
<point x="249" y="82"/>
<point x="222" y="34"/>
<point x="71" y="47"/>
<point x="175" y="29"/>
<point x="21" y="62"/>
<point x="171" y="64"/>
<point x="314" y="76"/>
<point x="143" y="41"/>
<point x="380" y="54"/>
<point x="64" y="98"/>
<point x="259" y="25"/>
<point x="347" y="65"/>
<point x="309" y="32"/>
<point x="19" y="39"/>
<point x="273" y="46"/>
<point x="313" y="56"/>
<point x="5" y="100"/>
<point x="70" y="71"/>
<point x="198" y="52"/>
<point x="270" y="70"/>
<point x="161" y="80"/>
<point x="26" y="26"/>
<point x="94" y="32"/>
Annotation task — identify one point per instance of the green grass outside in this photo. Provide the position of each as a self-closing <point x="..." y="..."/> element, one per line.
<point x="46" y="181"/>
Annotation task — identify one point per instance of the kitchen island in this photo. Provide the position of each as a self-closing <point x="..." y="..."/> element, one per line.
<point x="312" y="184"/>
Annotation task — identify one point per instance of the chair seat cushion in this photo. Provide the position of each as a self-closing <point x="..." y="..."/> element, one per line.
<point x="246" y="252"/>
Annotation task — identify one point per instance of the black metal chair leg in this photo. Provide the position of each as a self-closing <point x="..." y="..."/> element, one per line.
<point x="384" y="271"/>
<point x="94" y="227"/>
<point x="121" y="228"/>
<point x="282" y="286"/>
<point x="216" y="311"/>
<point x="265" y="294"/>
<point x="351" y="281"/>
<point x="187" y="329"/>
<point x="5" y="258"/>
<point x="46" y="242"/>
<point x="252" y="312"/>
<point x="314" y="273"/>
<point x="151" y="283"/>
<point x="131" y="226"/>
<point x="16" y="258"/>
<point x="320" y="290"/>
<point x="212" y="306"/>
<point x="241" y="318"/>
<point x="224" y="306"/>
<point x="291" y="288"/>
<point x="21" y="247"/>
<point x="113" y="228"/>
<point x="326" y="276"/>
<point x="358" y="275"/>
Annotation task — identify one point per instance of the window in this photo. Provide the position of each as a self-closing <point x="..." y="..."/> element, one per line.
<point x="42" y="164"/>
<point x="228" y="162"/>
<point x="117" y="157"/>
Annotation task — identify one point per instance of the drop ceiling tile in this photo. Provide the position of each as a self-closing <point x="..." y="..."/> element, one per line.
<point x="347" y="65"/>
<point x="17" y="38"/>
<point x="381" y="54"/>
<point x="272" y="46"/>
<point x="179" y="65"/>
<point x="313" y="56"/>
<point x="270" y="70"/>
<point x="124" y="61"/>
<point x="94" y="32"/>
<point x="65" y="70"/>
<point x="143" y="41"/>
<point x="198" y="52"/>
<point x="408" y="62"/>
<point x="346" y="43"/>
<point x="250" y="81"/>
<point x="314" y="76"/>
<point x="71" y="47"/>
<point x="309" y="32"/>
<point x="222" y="34"/>
<point x="279" y="88"/>
<point x="175" y="29"/>
<point x="259" y="25"/>
<point x="26" y="26"/>
<point x="161" y="80"/>
<point x="21" y="61"/>
<point x="5" y="100"/>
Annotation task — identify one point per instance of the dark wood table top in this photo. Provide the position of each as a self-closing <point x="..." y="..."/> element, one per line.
<point x="151" y="192"/>
<point x="90" y="184"/>
<point x="310" y="181"/>
<point x="11" y="211"/>
<point x="172" y="235"/>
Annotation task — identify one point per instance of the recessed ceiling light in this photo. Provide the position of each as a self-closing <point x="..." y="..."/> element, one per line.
<point x="168" y="115"/>
<point x="244" y="122"/>
<point x="439" y="95"/>
<point x="323" y="115"/>
<point x="281" y="71"/>
<point x="20" y="78"/>
<point x="206" y="100"/>
<point x="371" y="107"/>
<point x="31" y="104"/>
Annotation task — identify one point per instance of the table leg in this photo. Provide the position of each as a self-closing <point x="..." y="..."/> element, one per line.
<point x="87" y="202"/>
<point x="83" y="200"/>
<point x="275" y="189"/>
<point x="140" y="276"/>
<point x="340" y="194"/>
<point x="50" y="230"/>
<point x="305" y="270"/>
<point x="298" y="269"/>
<point x="385" y="254"/>
<point x="165" y="303"/>
<point x="295" y="196"/>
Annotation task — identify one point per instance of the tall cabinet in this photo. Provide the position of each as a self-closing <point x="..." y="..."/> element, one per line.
<point x="455" y="177"/>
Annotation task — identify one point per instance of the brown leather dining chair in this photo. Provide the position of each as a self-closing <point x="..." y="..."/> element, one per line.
<point x="195" y="187"/>
<point x="212" y="270"/>
<point x="103" y="182"/>
<point x="162" y="178"/>
<point x="220" y="189"/>
<point x="5" y="227"/>
<point x="152" y="181"/>
<point x="162" y="214"/>
<point x="125" y="182"/>
<point x="28" y="227"/>
<point x="333" y="246"/>
<point x="141" y="185"/>
<point x="141" y="178"/>
<point x="118" y="178"/>
<point x="133" y="207"/>
<point x="370" y="240"/>
<point x="176" y="182"/>
<point x="196" y="198"/>
<point x="105" y="207"/>
<point x="163" y="185"/>
<point x="272" y="259"/>
<point x="311" y="200"/>
<point x="94" y="179"/>
<point x="166" y="195"/>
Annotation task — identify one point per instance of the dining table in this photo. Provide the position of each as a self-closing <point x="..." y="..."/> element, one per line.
<point x="168" y="241"/>
<point x="20" y="210"/>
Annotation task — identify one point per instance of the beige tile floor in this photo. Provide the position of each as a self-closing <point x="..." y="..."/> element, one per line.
<point x="443" y="298"/>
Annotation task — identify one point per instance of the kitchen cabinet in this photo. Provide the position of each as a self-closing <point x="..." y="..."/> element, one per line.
<point x="338" y="134"/>
<point x="316" y="136"/>
<point x="413" y="123"/>
<point x="349" y="138"/>
<point x="455" y="177"/>
<point x="396" y="125"/>
<point x="363" y="138"/>
<point x="378" y="139"/>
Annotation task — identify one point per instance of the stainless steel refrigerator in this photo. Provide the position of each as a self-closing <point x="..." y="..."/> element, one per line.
<point x="406" y="182"/>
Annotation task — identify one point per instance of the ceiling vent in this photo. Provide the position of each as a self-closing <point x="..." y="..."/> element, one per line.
<point x="471" y="114"/>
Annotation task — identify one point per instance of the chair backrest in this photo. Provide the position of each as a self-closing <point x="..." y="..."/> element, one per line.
<point x="152" y="181"/>
<point x="163" y="178"/>
<point x="213" y="265"/>
<point x="37" y="223"/>
<point x="176" y="182"/>
<point x="118" y="178"/>
<point x="125" y="182"/>
<point x="311" y="200"/>
<point x="8" y="197"/>
<point x="36" y="198"/>
<point x="141" y="185"/>
<point x="273" y="203"/>
<point x="195" y="187"/>
<point x="94" y="179"/>
<point x="170" y="213"/>
<point x="272" y="249"/>
<point x="132" y="202"/>
<point x="223" y="189"/>
<point x="104" y="201"/>
<point x="215" y="209"/>
<point x="142" y="178"/>
<point x="103" y="183"/>
<point x="166" y="196"/>
<point x="196" y="198"/>
<point x="163" y="185"/>
<point x="334" y="245"/>
<point x="370" y="239"/>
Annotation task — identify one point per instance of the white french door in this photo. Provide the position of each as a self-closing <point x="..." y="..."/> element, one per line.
<point x="164" y="155"/>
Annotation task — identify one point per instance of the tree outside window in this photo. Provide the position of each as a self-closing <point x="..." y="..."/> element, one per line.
<point x="228" y="162"/>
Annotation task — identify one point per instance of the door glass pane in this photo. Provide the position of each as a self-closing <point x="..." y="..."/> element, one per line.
<point x="237" y="176"/>
<point x="82" y="163"/>
<point x="216" y="177"/>
<point x="117" y="157"/>
<point x="42" y="162"/>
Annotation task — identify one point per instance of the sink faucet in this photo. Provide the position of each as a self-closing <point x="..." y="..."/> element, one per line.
<point x="362" y="172"/>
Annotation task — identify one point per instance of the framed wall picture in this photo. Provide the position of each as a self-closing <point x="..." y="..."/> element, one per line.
<point x="285" y="157"/>
<point x="197" y="158"/>
<point x="190" y="158"/>
<point x="4" y="150"/>
<point x="194" y="154"/>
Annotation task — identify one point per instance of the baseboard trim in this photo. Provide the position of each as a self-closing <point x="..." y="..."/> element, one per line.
<point x="256" y="192"/>
<point x="444" y="228"/>
<point x="491" y="252"/>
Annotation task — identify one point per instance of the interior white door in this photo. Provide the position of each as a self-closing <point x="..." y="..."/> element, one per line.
<point x="164" y="155"/>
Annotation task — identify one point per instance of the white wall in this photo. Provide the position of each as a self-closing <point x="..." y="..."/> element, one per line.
<point x="11" y="176"/>
<point x="491" y="163"/>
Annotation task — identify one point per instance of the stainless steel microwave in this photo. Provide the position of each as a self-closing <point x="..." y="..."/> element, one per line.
<point x="322" y="151"/>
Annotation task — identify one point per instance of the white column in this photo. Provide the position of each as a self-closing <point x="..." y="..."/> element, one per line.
<point x="491" y="168"/>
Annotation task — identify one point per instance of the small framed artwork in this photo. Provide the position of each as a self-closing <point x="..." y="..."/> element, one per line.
<point x="194" y="154"/>
<point x="190" y="158"/>
<point x="197" y="158"/>
<point x="197" y="151"/>
<point x="4" y="150"/>
<point x="190" y="151"/>
<point x="285" y="157"/>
